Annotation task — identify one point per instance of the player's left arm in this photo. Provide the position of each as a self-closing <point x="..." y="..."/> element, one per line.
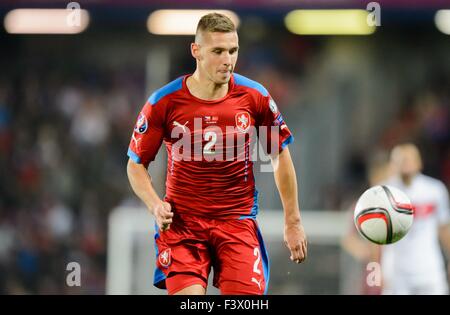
<point x="444" y="223"/>
<point x="286" y="181"/>
<point x="276" y="143"/>
<point x="444" y="237"/>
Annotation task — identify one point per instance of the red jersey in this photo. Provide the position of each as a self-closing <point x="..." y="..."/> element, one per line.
<point x="209" y="145"/>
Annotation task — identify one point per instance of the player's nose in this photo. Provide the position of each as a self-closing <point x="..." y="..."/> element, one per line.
<point x="227" y="59"/>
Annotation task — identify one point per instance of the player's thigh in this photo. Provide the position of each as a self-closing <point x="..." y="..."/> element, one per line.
<point x="195" y="289"/>
<point x="183" y="258"/>
<point x="241" y="263"/>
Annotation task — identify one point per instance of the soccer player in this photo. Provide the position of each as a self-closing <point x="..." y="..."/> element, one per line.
<point x="415" y="265"/>
<point x="207" y="218"/>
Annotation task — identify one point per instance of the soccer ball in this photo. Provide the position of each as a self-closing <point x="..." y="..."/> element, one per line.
<point x="383" y="214"/>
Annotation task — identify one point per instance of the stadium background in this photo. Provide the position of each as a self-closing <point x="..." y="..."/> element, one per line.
<point x="68" y="104"/>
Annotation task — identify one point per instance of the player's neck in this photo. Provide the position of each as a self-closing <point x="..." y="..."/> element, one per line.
<point x="407" y="179"/>
<point x="204" y="88"/>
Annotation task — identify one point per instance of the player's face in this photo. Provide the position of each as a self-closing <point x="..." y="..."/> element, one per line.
<point x="407" y="161"/>
<point x="217" y="55"/>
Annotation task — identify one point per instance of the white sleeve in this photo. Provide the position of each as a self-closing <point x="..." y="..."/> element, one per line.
<point x="443" y="209"/>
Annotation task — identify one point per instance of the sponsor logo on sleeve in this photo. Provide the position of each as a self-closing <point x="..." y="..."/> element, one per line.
<point x="273" y="106"/>
<point x="142" y="124"/>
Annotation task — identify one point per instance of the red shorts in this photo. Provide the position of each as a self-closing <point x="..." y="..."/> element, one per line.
<point x="233" y="248"/>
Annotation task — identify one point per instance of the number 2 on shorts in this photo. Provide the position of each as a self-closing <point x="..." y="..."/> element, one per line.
<point x="258" y="258"/>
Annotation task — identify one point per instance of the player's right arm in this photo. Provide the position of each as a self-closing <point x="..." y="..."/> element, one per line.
<point x="144" y="145"/>
<point x="141" y="184"/>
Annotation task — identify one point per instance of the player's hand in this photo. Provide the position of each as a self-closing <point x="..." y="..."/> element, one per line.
<point x="295" y="241"/>
<point x="163" y="215"/>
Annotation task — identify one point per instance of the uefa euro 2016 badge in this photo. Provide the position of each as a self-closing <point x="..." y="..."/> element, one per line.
<point x="273" y="106"/>
<point x="242" y="121"/>
<point x="165" y="258"/>
<point x="142" y="124"/>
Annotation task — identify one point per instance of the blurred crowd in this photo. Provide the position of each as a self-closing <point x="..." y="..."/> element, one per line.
<point x="63" y="155"/>
<point x="424" y="119"/>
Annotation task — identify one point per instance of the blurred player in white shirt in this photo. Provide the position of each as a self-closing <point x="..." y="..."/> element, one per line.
<point x="415" y="264"/>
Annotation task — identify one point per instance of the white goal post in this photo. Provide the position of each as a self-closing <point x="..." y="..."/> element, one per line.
<point x="131" y="256"/>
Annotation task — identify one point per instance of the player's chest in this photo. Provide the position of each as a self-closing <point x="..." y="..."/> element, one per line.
<point x="424" y="202"/>
<point x="236" y="114"/>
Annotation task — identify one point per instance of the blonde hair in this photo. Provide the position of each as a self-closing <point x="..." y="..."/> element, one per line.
<point x="215" y="22"/>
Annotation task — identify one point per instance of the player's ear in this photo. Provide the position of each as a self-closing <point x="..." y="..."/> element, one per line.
<point x="195" y="50"/>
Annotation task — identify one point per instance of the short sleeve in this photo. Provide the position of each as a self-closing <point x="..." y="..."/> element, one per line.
<point x="278" y="135"/>
<point x="148" y="134"/>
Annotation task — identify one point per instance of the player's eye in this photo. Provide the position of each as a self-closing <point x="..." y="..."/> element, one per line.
<point x="234" y="50"/>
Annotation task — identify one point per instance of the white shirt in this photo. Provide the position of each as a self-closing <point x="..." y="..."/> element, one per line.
<point x="418" y="257"/>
